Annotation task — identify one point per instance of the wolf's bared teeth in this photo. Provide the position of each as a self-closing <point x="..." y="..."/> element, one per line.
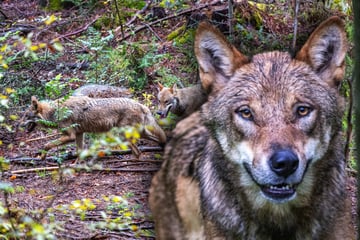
<point x="280" y="187"/>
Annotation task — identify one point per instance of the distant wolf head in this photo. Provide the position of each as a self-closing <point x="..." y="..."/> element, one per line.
<point x="31" y="115"/>
<point x="167" y="100"/>
<point x="274" y="116"/>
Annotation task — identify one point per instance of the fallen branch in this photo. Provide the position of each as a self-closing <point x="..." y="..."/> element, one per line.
<point x="41" y="138"/>
<point x="138" y="13"/>
<point x="175" y="15"/>
<point x="123" y="169"/>
<point x="141" y="148"/>
<point x="33" y="170"/>
<point x="79" y="30"/>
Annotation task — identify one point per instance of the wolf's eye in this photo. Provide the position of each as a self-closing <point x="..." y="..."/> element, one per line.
<point x="245" y="113"/>
<point x="303" y="111"/>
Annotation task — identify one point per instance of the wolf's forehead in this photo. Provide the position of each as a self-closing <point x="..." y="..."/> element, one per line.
<point x="275" y="72"/>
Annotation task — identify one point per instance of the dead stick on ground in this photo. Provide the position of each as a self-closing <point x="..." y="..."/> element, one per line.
<point x="30" y="170"/>
<point x="70" y="156"/>
<point x="41" y="138"/>
<point x="163" y="19"/>
<point x="33" y="170"/>
<point x="138" y="13"/>
<point x="79" y="30"/>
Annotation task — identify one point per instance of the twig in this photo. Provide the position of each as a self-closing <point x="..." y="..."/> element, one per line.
<point x="33" y="170"/>
<point x="175" y="15"/>
<point x="297" y="3"/>
<point x="156" y="35"/>
<point x="71" y="156"/>
<point x="41" y="138"/>
<point x="141" y="148"/>
<point x="79" y="30"/>
<point x="230" y="17"/>
<point x="30" y="170"/>
<point x="349" y="120"/>
<point x="139" y="13"/>
<point x="2" y="13"/>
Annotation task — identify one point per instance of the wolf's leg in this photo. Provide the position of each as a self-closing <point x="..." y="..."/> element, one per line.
<point x="58" y="142"/>
<point x="135" y="150"/>
<point x="79" y="140"/>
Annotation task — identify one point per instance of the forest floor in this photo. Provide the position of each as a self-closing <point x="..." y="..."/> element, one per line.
<point x="117" y="185"/>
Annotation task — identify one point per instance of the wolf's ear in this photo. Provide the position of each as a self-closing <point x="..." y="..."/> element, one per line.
<point x="160" y="86"/>
<point x="325" y="51"/>
<point x="34" y="102"/>
<point x="217" y="58"/>
<point x="173" y="88"/>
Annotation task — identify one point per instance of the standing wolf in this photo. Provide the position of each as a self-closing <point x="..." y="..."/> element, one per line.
<point x="83" y="114"/>
<point x="262" y="159"/>
<point x="181" y="102"/>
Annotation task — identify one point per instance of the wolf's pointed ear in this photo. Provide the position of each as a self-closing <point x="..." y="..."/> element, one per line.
<point x="34" y="102"/>
<point x="217" y="58"/>
<point x="160" y="86"/>
<point x="174" y="88"/>
<point x="325" y="51"/>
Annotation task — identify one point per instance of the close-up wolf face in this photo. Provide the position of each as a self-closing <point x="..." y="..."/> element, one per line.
<point x="273" y="120"/>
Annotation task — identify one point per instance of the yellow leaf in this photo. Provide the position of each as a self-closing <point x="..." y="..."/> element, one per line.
<point x="13" y="117"/>
<point x="34" y="48"/>
<point x="117" y="199"/>
<point x="4" y="65"/>
<point x="9" y="90"/>
<point x="134" y="228"/>
<point x="58" y="46"/>
<point x="128" y="214"/>
<point x="38" y="228"/>
<point x="42" y="45"/>
<point x="50" y="19"/>
<point x="3" y="48"/>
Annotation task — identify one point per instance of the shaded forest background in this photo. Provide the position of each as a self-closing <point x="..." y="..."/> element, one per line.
<point x="48" y="48"/>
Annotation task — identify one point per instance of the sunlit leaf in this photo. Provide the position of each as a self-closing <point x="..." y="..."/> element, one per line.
<point x="3" y="48"/>
<point x="34" y="48"/>
<point x="9" y="90"/>
<point x="58" y="46"/>
<point x="13" y="117"/>
<point x="50" y="19"/>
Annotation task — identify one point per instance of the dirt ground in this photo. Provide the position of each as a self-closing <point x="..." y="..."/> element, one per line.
<point x="120" y="175"/>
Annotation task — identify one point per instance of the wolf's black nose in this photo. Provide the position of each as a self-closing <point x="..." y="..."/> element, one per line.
<point x="159" y="112"/>
<point x="284" y="162"/>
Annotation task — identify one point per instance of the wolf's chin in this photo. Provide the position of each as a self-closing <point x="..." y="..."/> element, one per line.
<point x="278" y="193"/>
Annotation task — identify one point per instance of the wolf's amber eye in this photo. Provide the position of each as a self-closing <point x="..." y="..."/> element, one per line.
<point x="303" y="111"/>
<point x="245" y="113"/>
